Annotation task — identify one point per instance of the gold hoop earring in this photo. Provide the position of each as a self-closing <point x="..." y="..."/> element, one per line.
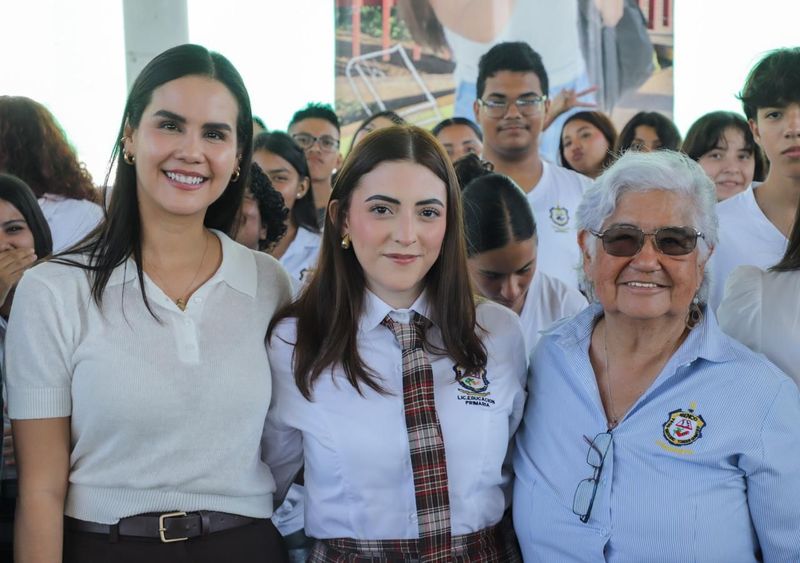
<point x="235" y="175"/>
<point x="345" y="242"/>
<point x="129" y="158"/>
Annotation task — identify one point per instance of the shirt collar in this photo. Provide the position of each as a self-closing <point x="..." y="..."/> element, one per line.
<point x="238" y="268"/>
<point x="306" y="238"/>
<point x="375" y="310"/>
<point x="705" y="341"/>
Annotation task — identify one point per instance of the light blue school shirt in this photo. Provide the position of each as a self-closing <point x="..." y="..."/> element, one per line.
<point x="731" y="495"/>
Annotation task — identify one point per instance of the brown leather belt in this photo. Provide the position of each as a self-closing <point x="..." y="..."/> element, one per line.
<point x="168" y="527"/>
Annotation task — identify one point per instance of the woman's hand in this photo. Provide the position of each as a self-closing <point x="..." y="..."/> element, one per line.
<point x="13" y="263"/>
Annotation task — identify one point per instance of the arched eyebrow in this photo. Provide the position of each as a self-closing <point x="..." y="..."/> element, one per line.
<point x="180" y="119"/>
<point x="387" y="199"/>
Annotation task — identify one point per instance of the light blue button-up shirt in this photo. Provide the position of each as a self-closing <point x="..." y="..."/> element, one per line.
<point x="671" y="489"/>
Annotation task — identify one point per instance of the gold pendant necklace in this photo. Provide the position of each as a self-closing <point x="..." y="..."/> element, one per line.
<point x="182" y="302"/>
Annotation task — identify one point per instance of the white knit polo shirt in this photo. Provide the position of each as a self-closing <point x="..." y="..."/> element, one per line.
<point x="168" y="413"/>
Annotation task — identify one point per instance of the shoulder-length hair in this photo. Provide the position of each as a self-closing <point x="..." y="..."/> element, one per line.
<point x="329" y="309"/>
<point x="34" y="148"/>
<point x="119" y="236"/>
<point x="603" y="124"/>
<point x="304" y="212"/>
<point x="666" y="130"/>
<point x="17" y="193"/>
<point x="705" y="133"/>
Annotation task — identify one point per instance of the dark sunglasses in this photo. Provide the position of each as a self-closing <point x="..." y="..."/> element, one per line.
<point x="628" y="241"/>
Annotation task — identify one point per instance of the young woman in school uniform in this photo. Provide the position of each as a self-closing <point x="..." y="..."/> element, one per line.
<point x="395" y="389"/>
<point x="138" y="379"/>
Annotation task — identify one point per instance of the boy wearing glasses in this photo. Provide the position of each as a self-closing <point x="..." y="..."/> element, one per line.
<point x="754" y="225"/>
<point x="316" y="130"/>
<point x="511" y="109"/>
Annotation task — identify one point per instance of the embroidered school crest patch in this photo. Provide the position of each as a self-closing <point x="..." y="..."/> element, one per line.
<point x="683" y="427"/>
<point x="559" y="216"/>
<point x="473" y="387"/>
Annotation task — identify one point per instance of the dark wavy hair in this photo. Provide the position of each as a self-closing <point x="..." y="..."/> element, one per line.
<point x="119" y="236"/>
<point x="773" y="82"/>
<point x="469" y="167"/>
<point x="271" y="208"/>
<point x="666" y="130"/>
<point x="329" y="308"/>
<point x="304" y="211"/>
<point x="17" y="193"/>
<point x="34" y="148"/>
<point x="706" y="133"/>
<point x="603" y="124"/>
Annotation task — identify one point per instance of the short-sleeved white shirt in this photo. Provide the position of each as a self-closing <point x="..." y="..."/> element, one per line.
<point x="70" y="220"/>
<point x="300" y="257"/>
<point x="358" y="476"/>
<point x="166" y="414"/>
<point x="547" y="301"/>
<point x="746" y="238"/>
<point x="554" y="201"/>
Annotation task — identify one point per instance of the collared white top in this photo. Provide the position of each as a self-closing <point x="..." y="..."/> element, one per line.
<point x="166" y="414"/>
<point x="69" y="219"/>
<point x="746" y="238"/>
<point x="358" y="476"/>
<point x="548" y="300"/>
<point x="670" y="490"/>
<point x="300" y="257"/>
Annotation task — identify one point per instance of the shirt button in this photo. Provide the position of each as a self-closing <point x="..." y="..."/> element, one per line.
<point x="198" y="299"/>
<point x="412" y="517"/>
<point x="602" y="532"/>
<point x="187" y="322"/>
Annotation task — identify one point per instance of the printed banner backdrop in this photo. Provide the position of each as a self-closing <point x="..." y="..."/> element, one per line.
<point x="394" y="54"/>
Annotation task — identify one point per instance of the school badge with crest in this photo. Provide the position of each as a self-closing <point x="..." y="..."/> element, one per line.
<point x="473" y="387"/>
<point x="683" y="427"/>
<point x="560" y="217"/>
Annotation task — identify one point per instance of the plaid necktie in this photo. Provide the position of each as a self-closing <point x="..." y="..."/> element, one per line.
<point x="425" y="442"/>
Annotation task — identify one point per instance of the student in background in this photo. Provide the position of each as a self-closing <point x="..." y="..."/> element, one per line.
<point x="587" y="143"/>
<point x="459" y="137"/>
<point x="263" y="214"/>
<point x="648" y="131"/>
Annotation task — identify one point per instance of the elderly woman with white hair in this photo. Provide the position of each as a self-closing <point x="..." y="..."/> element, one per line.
<point x="649" y="435"/>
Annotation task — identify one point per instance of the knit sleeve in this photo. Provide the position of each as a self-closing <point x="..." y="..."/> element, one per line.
<point x="39" y="346"/>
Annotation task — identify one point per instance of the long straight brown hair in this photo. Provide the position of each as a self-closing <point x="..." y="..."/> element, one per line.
<point x="329" y="309"/>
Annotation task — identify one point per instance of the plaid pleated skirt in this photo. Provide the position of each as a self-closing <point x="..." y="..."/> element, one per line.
<point x="495" y="544"/>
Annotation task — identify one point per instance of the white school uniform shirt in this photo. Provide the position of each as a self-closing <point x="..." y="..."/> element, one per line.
<point x="746" y="238"/>
<point x="300" y="257"/>
<point x="762" y="311"/>
<point x="70" y="220"/>
<point x="358" y="475"/>
<point x="547" y="301"/>
<point x="554" y="201"/>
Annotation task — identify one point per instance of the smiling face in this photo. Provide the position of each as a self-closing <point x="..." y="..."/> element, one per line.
<point x="730" y="164"/>
<point x="185" y="147"/>
<point x="505" y="274"/>
<point x="585" y="147"/>
<point x="459" y="140"/>
<point x="397" y="222"/>
<point x="513" y="134"/>
<point x="649" y="285"/>
<point x="777" y="131"/>
<point x="283" y="176"/>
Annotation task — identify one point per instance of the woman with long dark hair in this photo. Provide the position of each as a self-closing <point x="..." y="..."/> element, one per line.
<point x="34" y="148"/>
<point x="24" y="237"/>
<point x="388" y="378"/>
<point x="285" y="165"/>
<point x="132" y="357"/>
